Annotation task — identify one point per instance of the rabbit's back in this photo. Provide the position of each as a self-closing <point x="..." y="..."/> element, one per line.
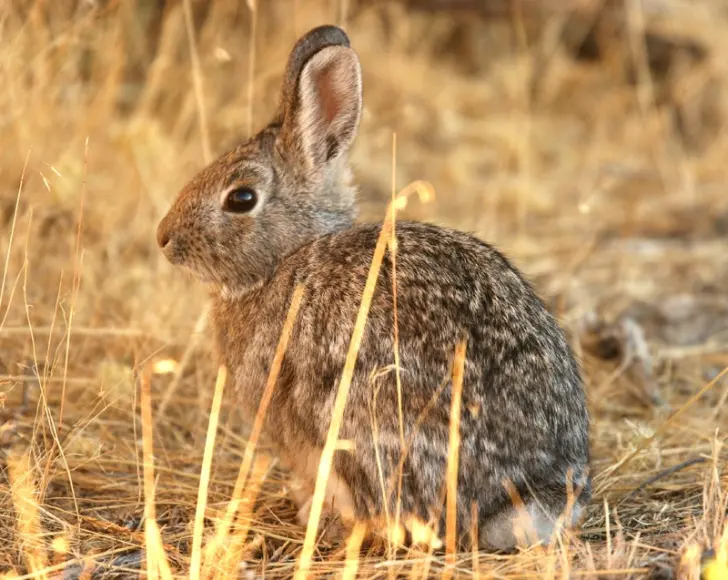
<point x="523" y="418"/>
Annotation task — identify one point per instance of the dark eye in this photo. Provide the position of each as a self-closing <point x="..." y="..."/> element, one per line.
<point x="240" y="200"/>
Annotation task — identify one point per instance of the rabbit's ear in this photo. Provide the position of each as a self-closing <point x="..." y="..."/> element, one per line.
<point x="322" y="109"/>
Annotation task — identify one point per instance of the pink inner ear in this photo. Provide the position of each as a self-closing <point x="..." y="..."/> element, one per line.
<point x="328" y="96"/>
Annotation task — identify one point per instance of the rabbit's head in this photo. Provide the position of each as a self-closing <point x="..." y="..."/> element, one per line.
<point x="234" y="222"/>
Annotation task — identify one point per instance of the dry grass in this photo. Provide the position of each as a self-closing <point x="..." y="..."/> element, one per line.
<point x="609" y="194"/>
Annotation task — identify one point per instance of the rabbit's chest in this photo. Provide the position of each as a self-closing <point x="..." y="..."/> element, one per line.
<point x="243" y="344"/>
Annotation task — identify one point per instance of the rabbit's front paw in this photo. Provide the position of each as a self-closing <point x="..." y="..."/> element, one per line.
<point x="332" y="527"/>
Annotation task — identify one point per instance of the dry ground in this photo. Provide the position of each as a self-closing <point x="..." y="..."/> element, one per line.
<point x="597" y="162"/>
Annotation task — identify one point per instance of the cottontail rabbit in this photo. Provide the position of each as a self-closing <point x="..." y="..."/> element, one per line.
<point x="279" y="210"/>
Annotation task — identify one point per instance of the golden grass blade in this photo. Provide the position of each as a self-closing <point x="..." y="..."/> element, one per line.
<point x="46" y="374"/>
<point x="234" y="504"/>
<point x="608" y="534"/>
<point x="77" y="269"/>
<point x="27" y="514"/>
<point x="393" y="252"/>
<point x="454" y="458"/>
<point x="78" y="331"/>
<point x="157" y="563"/>
<point x="251" y="62"/>
<point x="158" y="556"/>
<point x="12" y="235"/>
<point x="342" y="393"/>
<point x="235" y="551"/>
<point x="197" y="80"/>
<point x="397" y="365"/>
<point x="389" y="526"/>
<point x="353" y="547"/>
<point x="205" y="474"/>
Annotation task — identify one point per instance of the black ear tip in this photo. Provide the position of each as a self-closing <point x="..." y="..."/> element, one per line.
<point x="307" y="46"/>
<point x="325" y="35"/>
<point x="311" y="43"/>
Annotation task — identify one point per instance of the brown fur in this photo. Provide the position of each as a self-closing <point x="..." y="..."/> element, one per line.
<point x="531" y="424"/>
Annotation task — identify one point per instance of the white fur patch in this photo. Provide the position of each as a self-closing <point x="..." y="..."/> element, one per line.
<point x="528" y="526"/>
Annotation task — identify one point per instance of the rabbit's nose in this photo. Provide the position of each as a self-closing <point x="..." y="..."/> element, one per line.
<point x="163" y="238"/>
<point x="164" y="233"/>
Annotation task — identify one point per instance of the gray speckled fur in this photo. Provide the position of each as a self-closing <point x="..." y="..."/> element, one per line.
<point x="524" y="416"/>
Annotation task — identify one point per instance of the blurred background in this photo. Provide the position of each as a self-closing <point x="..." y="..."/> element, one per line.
<point x="585" y="138"/>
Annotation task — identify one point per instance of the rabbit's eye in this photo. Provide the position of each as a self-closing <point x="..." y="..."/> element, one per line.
<point x="240" y="200"/>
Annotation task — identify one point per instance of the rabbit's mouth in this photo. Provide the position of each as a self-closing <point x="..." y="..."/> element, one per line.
<point x="183" y="261"/>
<point x="174" y="252"/>
<point x="197" y="267"/>
<point x="178" y="254"/>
